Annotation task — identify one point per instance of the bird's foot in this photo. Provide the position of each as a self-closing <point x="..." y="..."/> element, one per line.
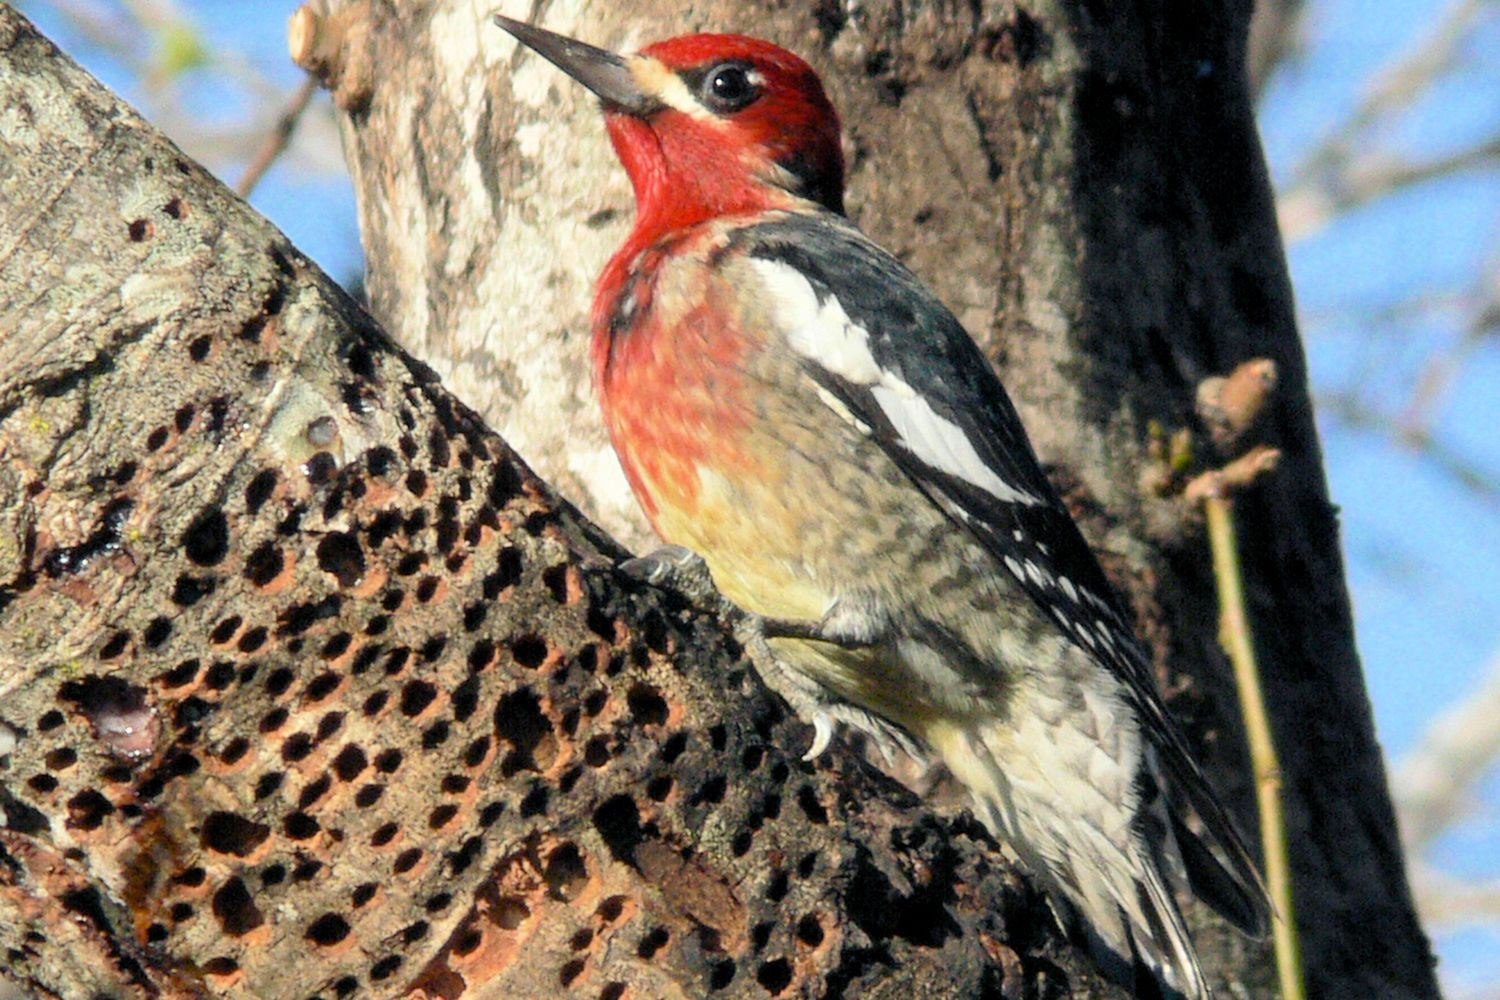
<point x="819" y="706"/>
<point x="679" y="568"/>
<point x="686" y="571"/>
<point x="853" y="622"/>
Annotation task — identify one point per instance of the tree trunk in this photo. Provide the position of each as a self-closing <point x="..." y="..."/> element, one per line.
<point x="311" y="688"/>
<point x="1084" y="185"/>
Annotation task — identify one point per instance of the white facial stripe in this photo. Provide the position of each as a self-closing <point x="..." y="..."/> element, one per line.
<point x="657" y="80"/>
<point x="822" y="331"/>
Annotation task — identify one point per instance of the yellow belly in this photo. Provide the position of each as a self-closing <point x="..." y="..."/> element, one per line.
<point x="752" y="562"/>
<point x="759" y="572"/>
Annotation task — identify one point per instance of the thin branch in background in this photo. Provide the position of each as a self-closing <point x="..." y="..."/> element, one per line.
<point x="158" y="45"/>
<point x="278" y="139"/>
<point x="1349" y="184"/>
<point x="1443" y="368"/>
<point x="1434" y="784"/>
<point x="1276" y="39"/>
<point x="121" y="37"/>
<point x="1397" y="87"/>
<point x="1377" y="320"/>
<point x="1352" y="411"/>
<point x="1428" y="60"/>
<point x="1443" y="899"/>
<point x="1339" y="173"/>
<point x="1377" y="177"/>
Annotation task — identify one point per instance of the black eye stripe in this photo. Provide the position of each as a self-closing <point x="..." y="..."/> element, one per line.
<point x="724" y="87"/>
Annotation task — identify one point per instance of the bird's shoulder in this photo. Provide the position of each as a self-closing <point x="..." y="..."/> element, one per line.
<point x="872" y="335"/>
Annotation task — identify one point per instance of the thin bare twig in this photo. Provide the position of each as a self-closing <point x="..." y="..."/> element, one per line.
<point x="1340" y="173"/>
<point x="1303" y="209"/>
<point x="1450" y="902"/>
<point x="1355" y="412"/>
<point x="1275" y="40"/>
<point x="1443" y="368"/>
<point x="278" y="139"/>
<point x="120" y="37"/>
<point x="1396" y="87"/>
<point x="1236" y="637"/>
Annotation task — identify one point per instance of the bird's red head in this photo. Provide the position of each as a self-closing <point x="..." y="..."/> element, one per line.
<point x="743" y="125"/>
<point x="708" y="125"/>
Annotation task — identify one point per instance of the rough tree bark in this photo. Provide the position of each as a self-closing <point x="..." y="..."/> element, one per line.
<point x="1082" y="183"/>
<point x="308" y="687"/>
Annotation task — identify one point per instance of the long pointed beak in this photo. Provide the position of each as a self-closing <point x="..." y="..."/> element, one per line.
<point x="600" y="70"/>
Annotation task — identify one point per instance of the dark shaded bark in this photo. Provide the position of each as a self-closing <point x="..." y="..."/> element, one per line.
<point x="1083" y="184"/>
<point x="311" y="688"/>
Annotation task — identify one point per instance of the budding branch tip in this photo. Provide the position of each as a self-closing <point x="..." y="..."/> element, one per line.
<point x="1231" y="404"/>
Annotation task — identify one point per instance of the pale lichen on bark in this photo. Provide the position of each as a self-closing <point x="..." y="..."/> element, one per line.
<point x="487" y="251"/>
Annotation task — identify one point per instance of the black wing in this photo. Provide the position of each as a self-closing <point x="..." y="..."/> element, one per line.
<point x="912" y="336"/>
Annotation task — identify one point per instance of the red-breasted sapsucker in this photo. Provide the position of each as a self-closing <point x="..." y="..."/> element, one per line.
<point x="793" y="405"/>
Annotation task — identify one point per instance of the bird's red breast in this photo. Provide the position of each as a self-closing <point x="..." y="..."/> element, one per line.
<point x="668" y="363"/>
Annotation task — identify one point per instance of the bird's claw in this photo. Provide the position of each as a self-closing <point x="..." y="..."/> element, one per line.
<point x="822" y="735"/>
<point x="678" y="567"/>
<point x="851" y="624"/>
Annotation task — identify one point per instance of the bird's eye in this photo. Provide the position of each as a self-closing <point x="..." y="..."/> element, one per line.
<point x="730" y="87"/>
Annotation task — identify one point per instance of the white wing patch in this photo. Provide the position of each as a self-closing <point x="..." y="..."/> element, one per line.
<point x="940" y="442"/>
<point x="819" y="331"/>
<point x="822" y="332"/>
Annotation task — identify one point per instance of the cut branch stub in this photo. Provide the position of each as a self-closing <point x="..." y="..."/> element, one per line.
<point x="335" y="49"/>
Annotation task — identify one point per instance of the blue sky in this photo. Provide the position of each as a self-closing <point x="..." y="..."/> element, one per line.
<point x="1422" y="550"/>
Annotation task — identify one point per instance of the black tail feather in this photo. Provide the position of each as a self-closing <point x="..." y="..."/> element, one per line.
<point x="1241" y="904"/>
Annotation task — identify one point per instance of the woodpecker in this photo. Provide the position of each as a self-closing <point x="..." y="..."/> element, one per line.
<point x="796" y="409"/>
